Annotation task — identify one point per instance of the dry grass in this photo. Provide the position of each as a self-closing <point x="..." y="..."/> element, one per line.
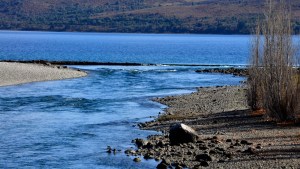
<point x="259" y="112"/>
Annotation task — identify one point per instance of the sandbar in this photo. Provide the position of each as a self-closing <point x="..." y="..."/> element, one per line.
<point x="13" y="73"/>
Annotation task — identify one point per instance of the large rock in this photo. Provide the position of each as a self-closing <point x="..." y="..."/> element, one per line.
<point x="181" y="133"/>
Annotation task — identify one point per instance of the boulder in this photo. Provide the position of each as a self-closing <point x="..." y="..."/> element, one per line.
<point x="181" y="133"/>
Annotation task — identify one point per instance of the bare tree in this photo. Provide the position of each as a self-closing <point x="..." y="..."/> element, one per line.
<point x="255" y="74"/>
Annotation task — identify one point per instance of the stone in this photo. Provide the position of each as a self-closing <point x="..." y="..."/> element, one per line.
<point x="192" y="146"/>
<point x="220" y="149"/>
<point x="204" y="164"/>
<point x="200" y="141"/>
<point x="250" y="150"/>
<point x="130" y="151"/>
<point x="137" y="159"/>
<point x="48" y="64"/>
<point x="237" y="144"/>
<point x="149" y="145"/>
<point x="228" y="140"/>
<point x="258" y="146"/>
<point x="215" y="138"/>
<point x="203" y="157"/>
<point x="140" y="142"/>
<point x="211" y="145"/>
<point x="109" y="149"/>
<point x="229" y="155"/>
<point x="178" y="167"/>
<point x="197" y="167"/>
<point x="164" y="164"/>
<point x="160" y="144"/>
<point x="148" y="156"/>
<point x="245" y="142"/>
<point x="189" y="152"/>
<point x="221" y="161"/>
<point x="165" y="161"/>
<point x="181" y="133"/>
<point x="203" y="147"/>
<point x="141" y="125"/>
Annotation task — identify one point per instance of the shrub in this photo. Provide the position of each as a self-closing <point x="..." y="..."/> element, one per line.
<point x="273" y="80"/>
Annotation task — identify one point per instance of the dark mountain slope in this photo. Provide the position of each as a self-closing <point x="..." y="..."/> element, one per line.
<point x="152" y="16"/>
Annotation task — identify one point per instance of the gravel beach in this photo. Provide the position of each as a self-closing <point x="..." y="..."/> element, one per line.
<point x="230" y="135"/>
<point x="19" y="73"/>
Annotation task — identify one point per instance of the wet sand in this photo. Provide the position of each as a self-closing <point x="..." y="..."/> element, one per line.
<point x="18" y="73"/>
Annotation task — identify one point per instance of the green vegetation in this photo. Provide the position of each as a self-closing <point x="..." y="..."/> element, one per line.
<point x="274" y="84"/>
<point x="149" y="16"/>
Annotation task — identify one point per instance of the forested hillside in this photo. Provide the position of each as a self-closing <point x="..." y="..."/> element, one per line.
<point x="151" y="16"/>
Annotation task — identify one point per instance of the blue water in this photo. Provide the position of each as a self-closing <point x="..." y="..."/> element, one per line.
<point x="69" y="123"/>
<point x="140" y="48"/>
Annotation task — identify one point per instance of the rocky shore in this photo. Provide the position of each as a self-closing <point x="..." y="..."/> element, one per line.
<point x="228" y="134"/>
<point x="234" y="71"/>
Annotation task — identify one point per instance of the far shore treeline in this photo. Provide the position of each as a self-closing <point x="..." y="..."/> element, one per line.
<point x="137" y="16"/>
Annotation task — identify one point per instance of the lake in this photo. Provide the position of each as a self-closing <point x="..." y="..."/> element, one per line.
<point x="69" y="123"/>
<point x="139" y="48"/>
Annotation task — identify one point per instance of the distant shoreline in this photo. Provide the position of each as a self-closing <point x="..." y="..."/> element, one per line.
<point x="154" y="33"/>
<point x="92" y="63"/>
